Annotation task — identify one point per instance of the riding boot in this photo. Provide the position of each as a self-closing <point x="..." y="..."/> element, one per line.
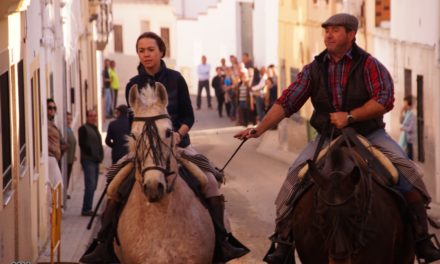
<point x="103" y="252"/>
<point x="228" y="251"/>
<point x="280" y="250"/>
<point x="424" y="247"/>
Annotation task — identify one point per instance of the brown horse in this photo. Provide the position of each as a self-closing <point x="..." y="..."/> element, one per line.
<point x="348" y="215"/>
<point x="163" y="221"/>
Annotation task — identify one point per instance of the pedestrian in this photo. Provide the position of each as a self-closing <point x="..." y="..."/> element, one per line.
<point x="358" y="102"/>
<point x="107" y="90"/>
<point x="258" y="93"/>
<point x="203" y="71"/>
<point x="244" y="99"/>
<point x="228" y="88"/>
<point x="114" y="82"/>
<point x="217" y="84"/>
<point x="151" y="49"/>
<point x="408" y="122"/>
<point x="56" y="145"/>
<point x="92" y="155"/>
<point x="247" y="61"/>
<point x="71" y="143"/>
<point x="117" y="133"/>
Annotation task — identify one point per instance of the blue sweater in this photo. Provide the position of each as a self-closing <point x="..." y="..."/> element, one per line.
<point x="179" y="103"/>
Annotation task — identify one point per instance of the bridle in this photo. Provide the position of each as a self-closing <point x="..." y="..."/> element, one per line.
<point x="154" y="148"/>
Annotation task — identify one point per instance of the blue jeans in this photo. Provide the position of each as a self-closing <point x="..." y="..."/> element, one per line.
<point x="91" y="172"/>
<point x="259" y="103"/>
<point x="108" y="101"/>
<point x="377" y="138"/>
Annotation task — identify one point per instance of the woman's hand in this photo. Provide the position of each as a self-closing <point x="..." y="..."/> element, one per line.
<point x="247" y="133"/>
<point x="177" y="137"/>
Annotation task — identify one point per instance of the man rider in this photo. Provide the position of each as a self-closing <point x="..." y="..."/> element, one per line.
<point x="347" y="87"/>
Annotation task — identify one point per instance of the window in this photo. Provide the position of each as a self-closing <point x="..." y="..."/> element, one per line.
<point x="165" y="35"/>
<point x="420" y="120"/>
<point x="5" y="123"/>
<point x="117" y="33"/>
<point x="407" y="84"/>
<point x="382" y="11"/>
<point x="145" y="26"/>
<point x="22" y="117"/>
<point x="36" y="126"/>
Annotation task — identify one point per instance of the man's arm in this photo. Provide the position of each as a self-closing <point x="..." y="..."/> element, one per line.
<point x="370" y="110"/>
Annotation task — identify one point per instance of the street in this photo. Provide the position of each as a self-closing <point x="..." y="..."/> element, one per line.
<point x="253" y="178"/>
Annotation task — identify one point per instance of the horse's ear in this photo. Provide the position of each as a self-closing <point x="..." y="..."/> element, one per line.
<point x="133" y="95"/>
<point x="161" y="92"/>
<point x="316" y="175"/>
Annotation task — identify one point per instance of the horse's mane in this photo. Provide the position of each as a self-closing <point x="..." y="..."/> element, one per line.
<point x="344" y="228"/>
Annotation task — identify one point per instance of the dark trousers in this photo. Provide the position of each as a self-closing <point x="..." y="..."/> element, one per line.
<point x="203" y="84"/>
<point x="409" y="151"/>
<point x="220" y="102"/>
<point x="91" y="172"/>
<point x="115" y="98"/>
<point x="69" y="172"/>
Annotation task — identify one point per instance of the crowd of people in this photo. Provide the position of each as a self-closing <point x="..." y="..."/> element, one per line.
<point x="246" y="92"/>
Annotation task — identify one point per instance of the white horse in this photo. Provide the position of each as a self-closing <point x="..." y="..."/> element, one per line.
<point x="163" y="221"/>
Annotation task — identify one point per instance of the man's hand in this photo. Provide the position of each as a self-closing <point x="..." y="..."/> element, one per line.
<point x="247" y="133"/>
<point x="339" y="119"/>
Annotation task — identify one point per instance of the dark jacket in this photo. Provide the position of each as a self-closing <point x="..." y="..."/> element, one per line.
<point x="179" y="103"/>
<point x="116" y="138"/>
<point x="90" y="143"/>
<point x="217" y="84"/>
<point x="355" y="95"/>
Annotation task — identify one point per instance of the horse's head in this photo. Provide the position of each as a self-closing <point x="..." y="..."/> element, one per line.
<point x="152" y="139"/>
<point x="337" y="180"/>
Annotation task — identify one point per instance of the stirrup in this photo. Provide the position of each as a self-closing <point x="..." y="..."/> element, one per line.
<point x="290" y="257"/>
<point x="436" y="244"/>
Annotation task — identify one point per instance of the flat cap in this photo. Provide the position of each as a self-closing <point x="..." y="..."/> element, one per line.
<point x="350" y="22"/>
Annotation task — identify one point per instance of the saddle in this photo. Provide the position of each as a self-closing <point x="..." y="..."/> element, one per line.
<point x="376" y="153"/>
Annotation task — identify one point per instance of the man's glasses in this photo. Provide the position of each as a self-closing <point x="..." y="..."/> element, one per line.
<point x="52" y="108"/>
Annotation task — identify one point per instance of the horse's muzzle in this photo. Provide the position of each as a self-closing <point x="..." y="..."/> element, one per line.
<point x="154" y="194"/>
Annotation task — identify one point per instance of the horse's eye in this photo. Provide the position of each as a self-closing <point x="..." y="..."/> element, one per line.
<point x="168" y="133"/>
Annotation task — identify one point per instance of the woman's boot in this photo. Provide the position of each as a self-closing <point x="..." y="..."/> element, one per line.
<point x="103" y="252"/>
<point x="228" y="251"/>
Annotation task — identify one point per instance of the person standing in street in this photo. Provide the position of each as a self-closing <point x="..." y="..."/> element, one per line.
<point x="114" y="83"/>
<point x="106" y="83"/>
<point x="203" y="71"/>
<point x="117" y="133"/>
<point x="348" y="87"/>
<point x="217" y="84"/>
<point x="56" y="144"/>
<point x="407" y="121"/>
<point x="71" y="143"/>
<point x="92" y="155"/>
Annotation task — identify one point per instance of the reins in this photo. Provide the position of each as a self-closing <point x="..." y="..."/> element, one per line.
<point x="155" y="147"/>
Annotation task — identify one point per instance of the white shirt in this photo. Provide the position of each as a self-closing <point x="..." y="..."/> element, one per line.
<point x="203" y="72"/>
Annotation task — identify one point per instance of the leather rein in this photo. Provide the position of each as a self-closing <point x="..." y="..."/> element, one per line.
<point x="154" y="148"/>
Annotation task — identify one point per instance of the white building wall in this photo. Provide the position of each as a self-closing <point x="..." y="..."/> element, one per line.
<point x="213" y="35"/>
<point x="130" y="16"/>
<point x="415" y="21"/>
<point x="265" y="19"/>
<point x="216" y="34"/>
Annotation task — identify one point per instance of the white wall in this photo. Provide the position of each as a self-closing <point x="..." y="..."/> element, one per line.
<point x="265" y="20"/>
<point x="192" y="8"/>
<point x="213" y="35"/>
<point x="415" y="21"/>
<point x="130" y="15"/>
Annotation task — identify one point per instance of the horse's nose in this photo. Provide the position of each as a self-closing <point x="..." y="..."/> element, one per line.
<point x="160" y="189"/>
<point x="155" y="195"/>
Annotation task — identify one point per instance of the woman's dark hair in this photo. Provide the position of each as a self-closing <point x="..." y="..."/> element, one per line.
<point x="156" y="37"/>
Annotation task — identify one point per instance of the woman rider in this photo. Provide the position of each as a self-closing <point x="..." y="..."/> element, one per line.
<point x="151" y="49"/>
